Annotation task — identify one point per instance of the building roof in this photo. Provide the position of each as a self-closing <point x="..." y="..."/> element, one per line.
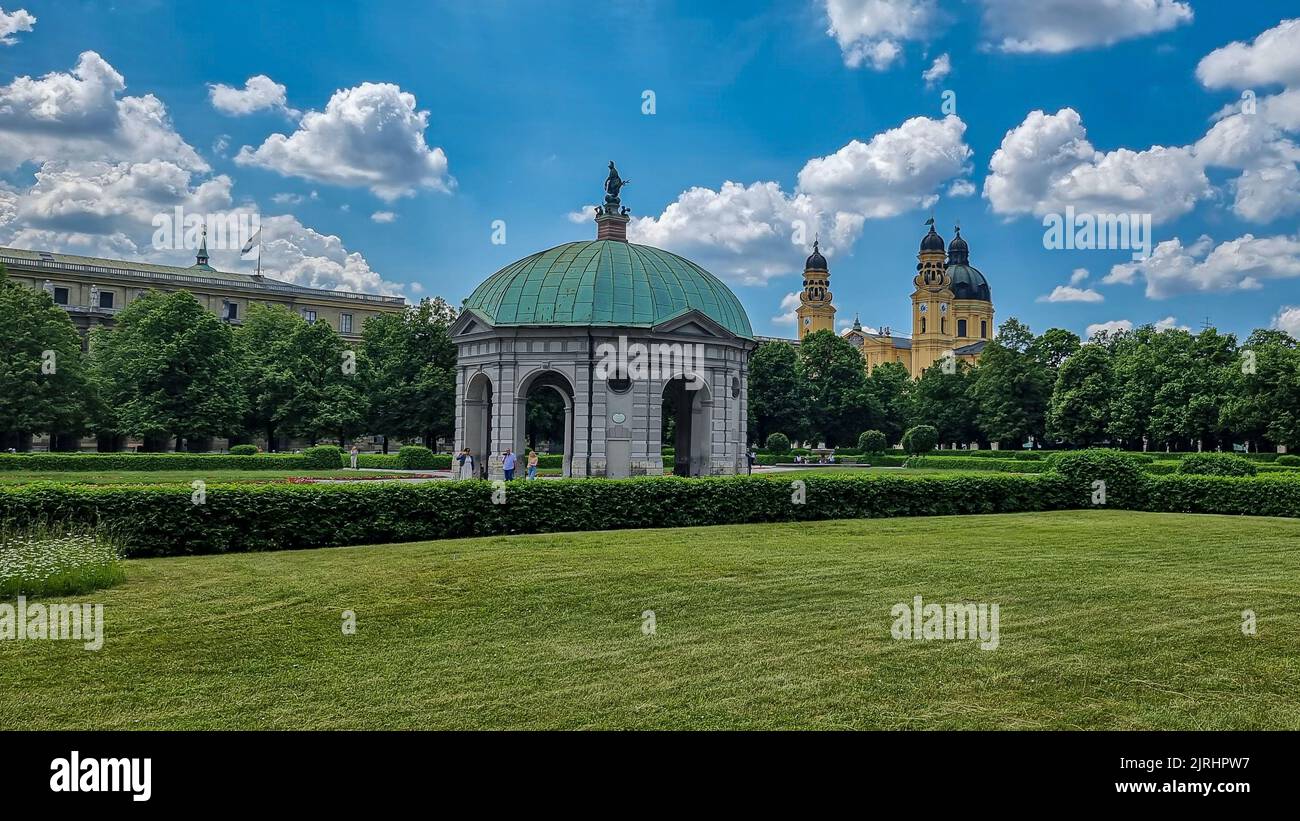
<point x="198" y="275"/>
<point x="968" y="283"/>
<point x="606" y="283"/>
<point x="973" y="349"/>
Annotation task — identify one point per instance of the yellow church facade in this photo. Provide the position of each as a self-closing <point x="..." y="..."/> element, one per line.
<point x="952" y="309"/>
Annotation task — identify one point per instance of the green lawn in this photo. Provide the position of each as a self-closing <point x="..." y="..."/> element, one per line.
<point x="1108" y="620"/>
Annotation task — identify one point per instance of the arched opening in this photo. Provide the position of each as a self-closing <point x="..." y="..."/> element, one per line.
<point x="544" y="417"/>
<point x="478" y="422"/>
<point x="686" y="401"/>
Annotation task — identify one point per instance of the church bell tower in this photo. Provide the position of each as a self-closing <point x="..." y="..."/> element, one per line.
<point x="932" y="326"/>
<point x="815" y="312"/>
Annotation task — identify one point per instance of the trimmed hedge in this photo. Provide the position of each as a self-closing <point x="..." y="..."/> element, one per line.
<point x="1271" y="495"/>
<point x="1123" y="475"/>
<point x="1287" y="460"/>
<point x="778" y="443"/>
<point x="1216" y="464"/>
<point x="159" y="521"/>
<point x="243" y="450"/>
<point x="150" y="461"/>
<point x="323" y="457"/>
<point x="415" y="457"/>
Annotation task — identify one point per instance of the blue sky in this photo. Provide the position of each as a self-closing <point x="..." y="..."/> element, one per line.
<point x="446" y="117"/>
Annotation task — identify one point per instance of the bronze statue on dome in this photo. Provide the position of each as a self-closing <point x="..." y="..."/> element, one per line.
<point x="613" y="184"/>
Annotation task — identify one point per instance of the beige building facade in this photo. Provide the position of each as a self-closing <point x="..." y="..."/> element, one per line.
<point x="93" y="290"/>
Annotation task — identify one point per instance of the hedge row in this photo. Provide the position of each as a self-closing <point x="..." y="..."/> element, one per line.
<point x="150" y="461"/>
<point x="159" y="521"/>
<point x="55" y="462"/>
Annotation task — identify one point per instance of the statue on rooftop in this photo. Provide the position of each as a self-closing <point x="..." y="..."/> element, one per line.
<point x="613" y="184"/>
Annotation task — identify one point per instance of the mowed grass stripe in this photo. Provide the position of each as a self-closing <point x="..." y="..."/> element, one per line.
<point x="1109" y="619"/>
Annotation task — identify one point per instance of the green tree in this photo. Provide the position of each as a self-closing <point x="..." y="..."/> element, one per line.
<point x="834" y="381"/>
<point x="872" y="441"/>
<point x="891" y="386"/>
<point x="1012" y="387"/>
<point x="169" y="368"/>
<point x="946" y="402"/>
<point x="1263" y="391"/>
<point x="328" y="398"/>
<point x="44" y="386"/>
<point x="264" y="340"/>
<point x="920" y="440"/>
<point x="410" y="372"/>
<point x="776" y="401"/>
<point x="1080" y="406"/>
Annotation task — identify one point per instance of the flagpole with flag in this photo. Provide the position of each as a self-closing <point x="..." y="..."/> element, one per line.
<point x="256" y="238"/>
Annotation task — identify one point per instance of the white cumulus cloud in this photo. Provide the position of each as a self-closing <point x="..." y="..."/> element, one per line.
<point x="370" y="136"/>
<point x="1069" y="293"/>
<point x="1111" y="327"/>
<point x="1288" y="319"/>
<point x="751" y="233"/>
<point x="1047" y="163"/>
<point x="259" y="93"/>
<point x="940" y="68"/>
<point x="1239" y="264"/>
<point x="1057" y="26"/>
<point x="871" y="32"/>
<point x="12" y="23"/>
<point x="1273" y="57"/>
<point x="79" y="115"/>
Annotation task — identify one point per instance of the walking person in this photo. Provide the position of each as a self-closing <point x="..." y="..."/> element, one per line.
<point x="532" y="464"/>
<point x="508" y="464"/>
<point x="751" y="459"/>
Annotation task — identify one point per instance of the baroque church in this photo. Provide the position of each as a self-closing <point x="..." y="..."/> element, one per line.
<point x="952" y="309"/>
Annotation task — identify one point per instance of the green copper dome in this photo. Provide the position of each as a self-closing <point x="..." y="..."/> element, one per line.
<point x="605" y="283"/>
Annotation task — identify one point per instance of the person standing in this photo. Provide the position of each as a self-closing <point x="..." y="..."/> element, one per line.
<point x="466" y="464"/>
<point x="532" y="464"/>
<point x="508" y="464"/>
<point x="353" y="453"/>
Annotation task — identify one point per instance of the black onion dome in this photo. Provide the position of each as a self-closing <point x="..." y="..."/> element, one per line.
<point x="816" y="262"/>
<point x="958" y="251"/>
<point x="968" y="283"/>
<point x="932" y="240"/>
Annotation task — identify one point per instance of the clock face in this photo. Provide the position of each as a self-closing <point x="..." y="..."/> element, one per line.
<point x="807" y="320"/>
<point x="925" y="307"/>
<point x="943" y="308"/>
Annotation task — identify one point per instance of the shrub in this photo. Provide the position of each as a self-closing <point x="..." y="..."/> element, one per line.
<point x="872" y="441"/>
<point x="323" y="457"/>
<point x="1276" y="494"/>
<point x="1121" y="472"/>
<point x="243" y="450"/>
<point x="1216" y="464"/>
<point x="778" y="443"/>
<point x="920" y="439"/>
<point x="161" y="521"/>
<point x="55" y="560"/>
<point x="416" y="457"/>
<point x="1288" y="460"/>
<point x="149" y="461"/>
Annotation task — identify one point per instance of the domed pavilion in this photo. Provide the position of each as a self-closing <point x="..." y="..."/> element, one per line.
<point x="632" y="338"/>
